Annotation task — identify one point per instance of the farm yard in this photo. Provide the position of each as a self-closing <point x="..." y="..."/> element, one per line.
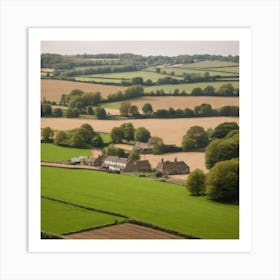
<point x="170" y="130"/>
<point x="163" y="204"/>
<point x="85" y="194"/>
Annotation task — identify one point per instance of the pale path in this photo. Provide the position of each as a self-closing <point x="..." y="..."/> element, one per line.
<point x="170" y="130"/>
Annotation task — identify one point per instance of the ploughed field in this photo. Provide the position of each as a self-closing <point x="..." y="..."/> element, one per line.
<point x="53" y="89"/>
<point x="123" y="231"/>
<point x="170" y="130"/>
<point x="162" y="204"/>
<point x="177" y="102"/>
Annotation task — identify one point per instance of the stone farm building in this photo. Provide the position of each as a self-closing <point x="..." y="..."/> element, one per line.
<point x="118" y="164"/>
<point x="173" y="167"/>
<point x="143" y="148"/>
<point x="95" y="161"/>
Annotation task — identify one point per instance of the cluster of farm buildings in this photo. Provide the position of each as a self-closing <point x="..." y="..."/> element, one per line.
<point x="123" y="165"/>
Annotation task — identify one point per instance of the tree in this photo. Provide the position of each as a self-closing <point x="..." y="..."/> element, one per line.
<point x="226" y="90"/>
<point x="134" y="155"/>
<point x="89" y="110"/>
<point x="158" y="69"/>
<point x="46" y="134"/>
<point x="100" y="113"/>
<point x="142" y="134"/>
<point x="117" y="135"/>
<point x="125" y="108"/>
<point x="188" y="144"/>
<point x="196" y="182"/>
<point x="46" y="110"/>
<point x="134" y="111"/>
<point x="60" y="138"/>
<point x="224" y="128"/>
<point x="199" y="135"/>
<point x="57" y="112"/>
<point x="203" y="110"/>
<point x="137" y="81"/>
<point x="209" y="90"/>
<point x="222" y="182"/>
<point x="69" y="113"/>
<point x="157" y="145"/>
<point x="197" y="91"/>
<point x="76" y="113"/>
<point x="111" y="150"/>
<point x="147" y="109"/>
<point x="97" y="141"/>
<point x="222" y="149"/>
<point x="128" y="130"/>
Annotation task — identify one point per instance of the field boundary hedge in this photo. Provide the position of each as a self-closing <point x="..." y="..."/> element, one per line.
<point x="85" y="207"/>
<point x="171" y="231"/>
<point x="48" y="235"/>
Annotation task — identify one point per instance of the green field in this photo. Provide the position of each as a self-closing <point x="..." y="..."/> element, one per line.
<point x="211" y="64"/>
<point x="51" y="152"/>
<point x="160" y="203"/>
<point x="189" y="87"/>
<point x="106" y="137"/>
<point x="61" y="218"/>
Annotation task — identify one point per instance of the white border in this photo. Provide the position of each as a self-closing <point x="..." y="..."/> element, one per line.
<point x="243" y="35"/>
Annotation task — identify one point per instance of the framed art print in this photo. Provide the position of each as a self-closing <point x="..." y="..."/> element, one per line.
<point x="139" y="139"/>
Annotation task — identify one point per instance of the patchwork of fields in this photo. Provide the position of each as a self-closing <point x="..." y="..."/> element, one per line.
<point x="170" y="130"/>
<point x="84" y="204"/>
<point x="163" y="204"/>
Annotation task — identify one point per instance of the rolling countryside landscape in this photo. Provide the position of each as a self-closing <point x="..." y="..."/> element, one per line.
<point x="139" y="147"/>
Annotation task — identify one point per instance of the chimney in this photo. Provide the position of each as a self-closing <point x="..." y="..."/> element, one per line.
<point x="162" y="160"/>
<point x="175" y="159"/>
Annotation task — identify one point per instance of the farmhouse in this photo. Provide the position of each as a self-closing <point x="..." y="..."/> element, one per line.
<point x="138" y="166"/>
<point x="95" y="161"/>
<point x="125" y="165"/>
<point x="144" y="148"/>
<point x="173" y="167"/>
<point x="115" y="163"/>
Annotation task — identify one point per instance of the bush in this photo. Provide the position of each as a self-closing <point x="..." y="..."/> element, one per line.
<point x="222" y="182"/>
<point x="142" y="134"/>
<point x="196" y="182"/>
<point x="222" y="149"/>
<point x="100" y="113"/>
<point x="57" y="112"/>
<point x="224" y="128"/>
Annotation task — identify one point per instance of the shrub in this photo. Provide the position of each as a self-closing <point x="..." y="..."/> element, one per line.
<point x="196" y="182"/>
<point x="222" y="182"/>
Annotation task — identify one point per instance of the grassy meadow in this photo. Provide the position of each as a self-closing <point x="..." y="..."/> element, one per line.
<point x="61" y="218"/>
<point x="51" y="152"/>
<point x="160" y="203"/>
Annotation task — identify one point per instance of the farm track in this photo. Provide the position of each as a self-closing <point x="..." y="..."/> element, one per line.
<point x="69" y="166"/>
<point x="123" y="231"/>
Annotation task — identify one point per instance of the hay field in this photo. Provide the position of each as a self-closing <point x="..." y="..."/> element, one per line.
<point x="171" y="130"/>
<point x="53" y="89"/>
<point x="176" y="102"/>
